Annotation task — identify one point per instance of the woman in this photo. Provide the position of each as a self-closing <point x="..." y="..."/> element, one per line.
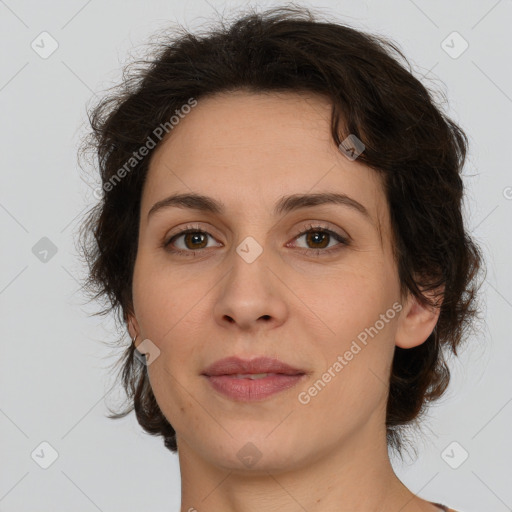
<point x="281" y="232"/>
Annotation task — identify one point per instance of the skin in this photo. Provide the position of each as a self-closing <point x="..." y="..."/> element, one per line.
<point x="247" y="150"/>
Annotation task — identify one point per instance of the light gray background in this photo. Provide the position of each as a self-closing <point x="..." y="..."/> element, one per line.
<point x="53" y="365"/>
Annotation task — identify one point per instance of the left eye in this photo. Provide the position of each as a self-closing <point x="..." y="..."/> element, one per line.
<point x="321" y="237"/>
<point x="196" y="239"/>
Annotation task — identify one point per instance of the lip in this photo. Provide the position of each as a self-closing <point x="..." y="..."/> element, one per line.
<point x="222" y="377"/>
<point x="233" y="365"/>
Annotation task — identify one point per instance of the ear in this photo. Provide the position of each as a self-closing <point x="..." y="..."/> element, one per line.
<point x="133" y="325"/>
<point x="416" y="322"/>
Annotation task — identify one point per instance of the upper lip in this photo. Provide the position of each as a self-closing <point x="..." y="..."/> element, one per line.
<point x="235" y="365"/>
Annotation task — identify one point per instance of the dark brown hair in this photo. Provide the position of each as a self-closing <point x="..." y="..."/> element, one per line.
<point x="409" y="141"/>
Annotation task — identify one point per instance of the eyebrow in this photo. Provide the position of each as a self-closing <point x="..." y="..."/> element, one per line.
<point x="285" y="204"/>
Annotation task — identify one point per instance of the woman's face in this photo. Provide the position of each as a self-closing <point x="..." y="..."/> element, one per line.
<point x="256" y="286"/>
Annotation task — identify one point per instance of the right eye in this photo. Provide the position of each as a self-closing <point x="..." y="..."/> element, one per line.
<point x="193" y="238"/>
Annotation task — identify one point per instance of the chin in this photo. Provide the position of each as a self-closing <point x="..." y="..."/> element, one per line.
<point x="258" y="453"/>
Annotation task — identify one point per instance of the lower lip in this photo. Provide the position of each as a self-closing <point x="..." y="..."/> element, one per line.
<point x="250" y="390"/>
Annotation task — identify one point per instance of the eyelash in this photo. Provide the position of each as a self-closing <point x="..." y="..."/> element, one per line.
<point x="315" y="229"/>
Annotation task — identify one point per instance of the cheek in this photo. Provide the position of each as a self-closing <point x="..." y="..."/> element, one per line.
<point x="170" y="316"/>
<point x="354" y="381"/>
<point x="352" y="301"/>
<point x="170" y="393"/>
<point x="163" y="300"/>
<point x="361" y="312"/>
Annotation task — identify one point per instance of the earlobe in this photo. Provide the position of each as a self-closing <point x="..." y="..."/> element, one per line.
<point x="416" y="322"/>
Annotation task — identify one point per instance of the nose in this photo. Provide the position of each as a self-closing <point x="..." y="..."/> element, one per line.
<point x="251" y="296"/>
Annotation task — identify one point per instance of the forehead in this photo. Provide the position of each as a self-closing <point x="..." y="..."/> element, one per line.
<point x="249" y="149"/>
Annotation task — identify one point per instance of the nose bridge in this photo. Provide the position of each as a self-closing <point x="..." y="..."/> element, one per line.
<point x="253" y="233"/>
<point x="249" y="262"/>
<point x="251" y="289"/>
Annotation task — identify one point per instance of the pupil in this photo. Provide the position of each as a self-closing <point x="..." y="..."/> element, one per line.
<point x="315" y="236"/>
<point x="195" y="237"/>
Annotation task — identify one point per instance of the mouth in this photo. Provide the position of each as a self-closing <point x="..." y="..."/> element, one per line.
<point x="252" y="380"/>
<point x="253" y="367"/>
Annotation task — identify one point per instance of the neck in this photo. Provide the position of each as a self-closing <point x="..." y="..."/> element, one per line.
<point x="355" y="476"/>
